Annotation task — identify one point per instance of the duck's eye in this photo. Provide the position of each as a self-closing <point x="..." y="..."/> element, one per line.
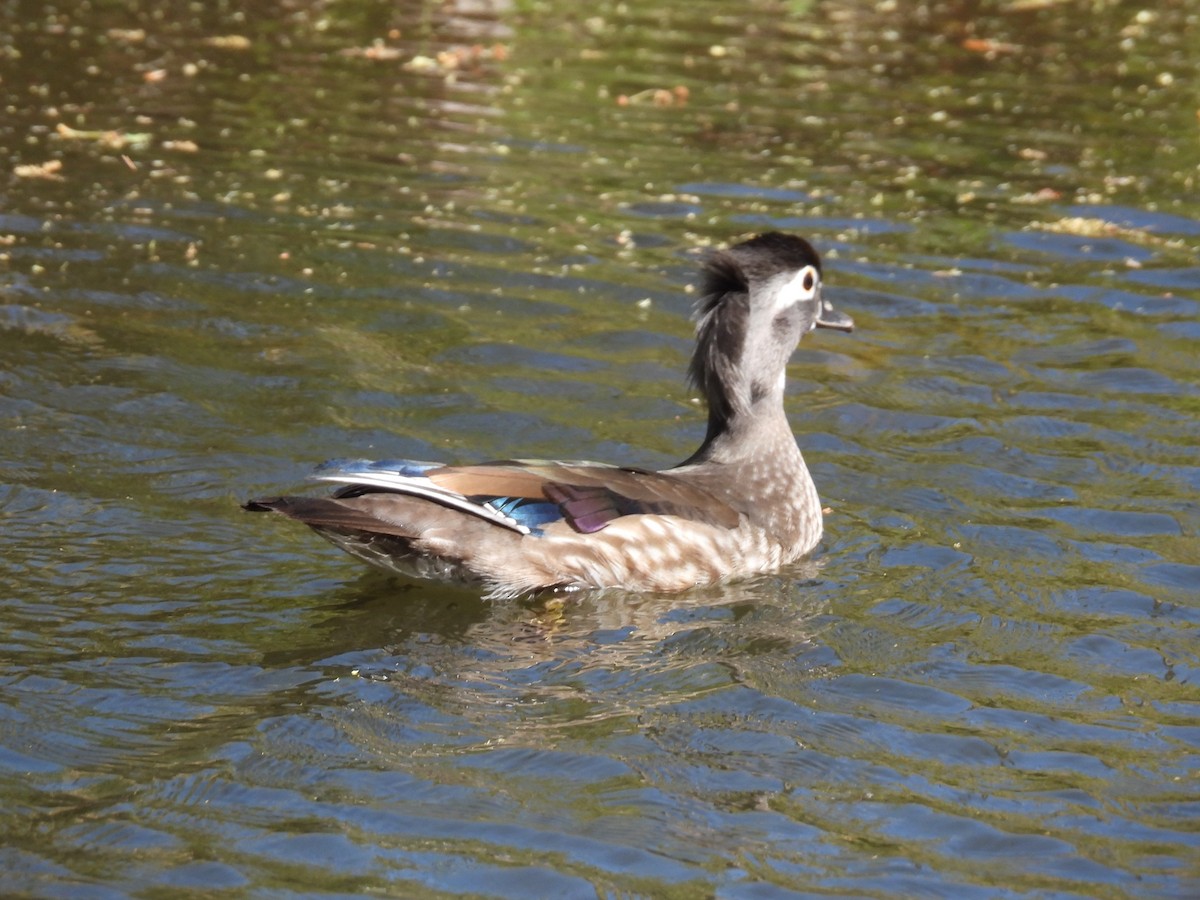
<point x="801" y="287"/>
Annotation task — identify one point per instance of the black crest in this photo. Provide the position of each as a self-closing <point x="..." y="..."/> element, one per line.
<point x="772" y="253"/>
<point x="723" y="312"/>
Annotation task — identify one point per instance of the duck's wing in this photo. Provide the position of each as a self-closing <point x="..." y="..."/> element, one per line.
<point x="527" y="495"/>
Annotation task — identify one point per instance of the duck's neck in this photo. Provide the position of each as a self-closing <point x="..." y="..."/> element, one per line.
<point x="752" y="463"/>
<point x="754" y="436"/>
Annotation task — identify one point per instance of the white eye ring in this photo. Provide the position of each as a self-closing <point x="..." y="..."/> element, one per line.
<point x="801" y="287"/>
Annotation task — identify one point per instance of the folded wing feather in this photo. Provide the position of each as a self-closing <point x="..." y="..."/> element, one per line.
<point x="518" y="495"/>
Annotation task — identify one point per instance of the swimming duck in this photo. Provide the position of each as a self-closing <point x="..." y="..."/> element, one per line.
<point x="742" y="504"/>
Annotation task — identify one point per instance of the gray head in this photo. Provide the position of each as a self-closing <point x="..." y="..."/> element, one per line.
<point x="758" y="298"/>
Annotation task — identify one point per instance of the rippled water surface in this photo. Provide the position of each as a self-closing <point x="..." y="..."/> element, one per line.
<point x="235" y="242"/>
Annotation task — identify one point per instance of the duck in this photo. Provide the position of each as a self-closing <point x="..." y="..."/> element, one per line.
<point x="743" y="504"/>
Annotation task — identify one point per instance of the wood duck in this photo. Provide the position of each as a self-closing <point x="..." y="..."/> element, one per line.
<point x="742" y="504"/>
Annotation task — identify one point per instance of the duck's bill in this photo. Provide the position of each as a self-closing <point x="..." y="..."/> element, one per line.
<point x="828" y="317"/>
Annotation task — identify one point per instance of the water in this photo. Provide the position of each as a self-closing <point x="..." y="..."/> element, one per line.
<point x="297" y="248"/>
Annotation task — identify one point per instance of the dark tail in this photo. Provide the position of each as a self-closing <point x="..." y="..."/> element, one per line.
<point x="325" y="512"/>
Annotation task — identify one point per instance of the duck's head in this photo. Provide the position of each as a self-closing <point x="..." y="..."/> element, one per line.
<point x="757" y="299"/>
